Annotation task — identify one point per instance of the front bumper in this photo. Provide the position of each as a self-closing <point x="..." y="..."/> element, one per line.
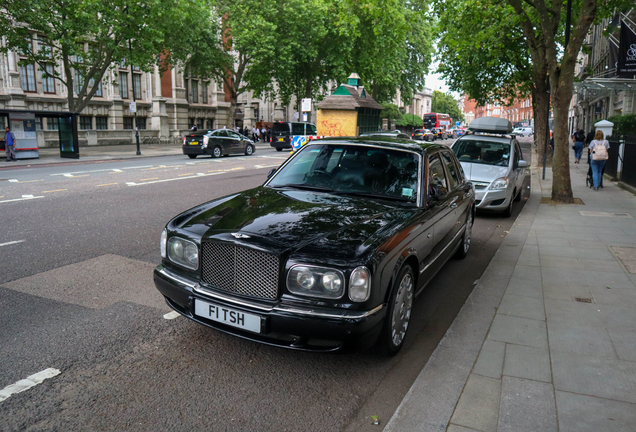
<point x="492" y="200"/>
<point x="289" y="326"/>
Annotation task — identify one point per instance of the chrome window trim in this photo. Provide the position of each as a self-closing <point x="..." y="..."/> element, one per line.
<point x="344" y="315"/>
<point x="322" y="142"/>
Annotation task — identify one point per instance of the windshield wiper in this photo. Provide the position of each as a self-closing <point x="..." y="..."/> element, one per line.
<point x="304" y="187"/>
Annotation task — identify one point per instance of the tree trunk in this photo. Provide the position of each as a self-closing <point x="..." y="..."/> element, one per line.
<point x="231" y="114"/>
<point x="561" y="183"/>
<point x="540" y="107"/>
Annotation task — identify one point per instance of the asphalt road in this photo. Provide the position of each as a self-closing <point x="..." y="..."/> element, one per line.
<point x="78" y="246"/>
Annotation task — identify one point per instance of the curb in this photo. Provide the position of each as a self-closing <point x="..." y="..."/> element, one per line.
<point x="431" y="400"/>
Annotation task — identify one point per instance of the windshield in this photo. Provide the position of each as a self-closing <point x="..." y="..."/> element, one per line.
<point x="482" y="152"/>
<point x="350" y="169"/>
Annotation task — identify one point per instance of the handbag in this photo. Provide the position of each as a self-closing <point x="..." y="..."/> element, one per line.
<point x="600" y="151"/>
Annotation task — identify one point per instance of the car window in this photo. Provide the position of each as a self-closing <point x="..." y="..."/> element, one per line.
<point x="311" y="129"/>
<point x="482" y="152"/>
<point x="298" y="129"/>
<point x="233" y="135"/>
<point x="280" y="128"/>
<point x="222" y="133"/>
<point x="436" y="176"/>
<point x="378" y="172"/>
<point x="451" y="168"/>
<point x="216" y="134"/>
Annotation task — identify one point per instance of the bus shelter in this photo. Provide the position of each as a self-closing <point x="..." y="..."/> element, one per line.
<point x="25" y="125"/>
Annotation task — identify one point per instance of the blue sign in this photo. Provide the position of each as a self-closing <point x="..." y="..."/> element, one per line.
<point x="457" y="123"/>
<point x="298" y="142"/>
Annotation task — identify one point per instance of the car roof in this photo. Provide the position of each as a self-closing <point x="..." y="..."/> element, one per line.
<point x="384" y="141"/>
<point x="485" y="137"/>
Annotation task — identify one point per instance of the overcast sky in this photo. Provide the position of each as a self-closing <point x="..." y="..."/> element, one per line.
<point x="436" y="82"/>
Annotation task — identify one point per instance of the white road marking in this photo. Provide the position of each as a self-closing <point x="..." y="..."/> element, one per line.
<point x="27" y="383"/>
<point x="266" y="166"/>
<point x="11" y="242"/>
<point x="274" y="157"/>
<point x="172" y="315"/>
<point x="13" y="180"/>
<point x="24" y="198"/>
<point x="71" y="174"/>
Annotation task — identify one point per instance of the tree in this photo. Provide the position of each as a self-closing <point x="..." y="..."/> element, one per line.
<point x="393" y="45"/>
<point x="391" y="112"/>
<point x="483" y="53"/>
<point x="445" y="103"/>
<point x="87" y="37"/>
<point x="542" y="23"/>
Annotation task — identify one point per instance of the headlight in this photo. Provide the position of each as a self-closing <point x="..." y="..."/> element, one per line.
<point x="163" y="242"/>
<point x="500" y="183"/>
<point x="183" y="252"/>
<point x="360" y="285"/>
<point x="315" y="281"/>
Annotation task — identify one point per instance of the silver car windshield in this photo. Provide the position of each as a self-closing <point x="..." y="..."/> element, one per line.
<point x="483" y="152"/>
<point x="350" y="169"/>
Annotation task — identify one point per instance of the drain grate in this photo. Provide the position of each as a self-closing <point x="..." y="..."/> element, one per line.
<point x="583" y="300"/>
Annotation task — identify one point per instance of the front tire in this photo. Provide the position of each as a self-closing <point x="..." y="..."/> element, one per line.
<point x="508" y="211"/>
<point x="399" y="312"/>
<point x="249" y="150"/>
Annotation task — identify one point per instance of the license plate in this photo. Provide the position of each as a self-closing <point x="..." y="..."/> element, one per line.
<point x="229" y="316"/>
<point x="281" y="139"/>
<point x="194" y="142"/>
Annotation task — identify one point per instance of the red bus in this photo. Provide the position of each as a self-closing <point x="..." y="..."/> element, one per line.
<point x="437" y="120"/>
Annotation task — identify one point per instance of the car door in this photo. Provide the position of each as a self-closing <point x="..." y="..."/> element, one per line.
<point x="234" y="142"/>
<point x="439" y="203"/>
<point x="457" y="198"/>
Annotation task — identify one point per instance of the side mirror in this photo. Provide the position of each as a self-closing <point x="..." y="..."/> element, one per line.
<point x="271" y="172"/>
<point x="523" y="164"/>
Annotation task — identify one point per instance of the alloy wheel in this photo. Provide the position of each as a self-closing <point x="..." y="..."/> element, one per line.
<point x="402" y="310"/>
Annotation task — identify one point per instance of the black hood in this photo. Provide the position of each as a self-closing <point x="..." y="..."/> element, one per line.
<point x="298" y="220"/>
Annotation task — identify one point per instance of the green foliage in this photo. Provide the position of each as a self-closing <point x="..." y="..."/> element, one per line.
<point x="624" y="124"/>
<point x="391" y="112"/>
<point x="482" y="51"/>
<point x="445" y="103"/>
<point x="410" y="120"/>
<point x="90" y="36"/>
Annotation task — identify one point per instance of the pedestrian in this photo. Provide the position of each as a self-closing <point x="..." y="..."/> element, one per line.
<point x="9" y="144"/>
<point x="269" y="134"/>
<point x="579" y="142"/>
<point x="258" y="135"/>
<point x="598" y="148"/>
<point x="552" y="146"/>
<point x="263" y="133"/>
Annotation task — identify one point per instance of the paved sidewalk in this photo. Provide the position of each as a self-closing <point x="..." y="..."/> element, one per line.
<point x="101" y="153"/>
<point x="547" y="340"/>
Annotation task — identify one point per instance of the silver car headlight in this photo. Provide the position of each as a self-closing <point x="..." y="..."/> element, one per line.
<point x="360" y="284"/>
<point x="500" y="183"/>
<point x="183" y="252"/>
<point x="315" y="281"/>
<point x="163" y="242"/>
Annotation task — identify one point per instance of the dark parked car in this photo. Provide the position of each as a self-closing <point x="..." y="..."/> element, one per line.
<point x="329" y="253"/>
<point x="217" y="143"/>
<point x="283" y="131"/>
<point x="439" y="133"/>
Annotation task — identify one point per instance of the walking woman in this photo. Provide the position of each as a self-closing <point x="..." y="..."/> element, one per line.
<point x="598" y="149"/>
<point x="579" y="138"/>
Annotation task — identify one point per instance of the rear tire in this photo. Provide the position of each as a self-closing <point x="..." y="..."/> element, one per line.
<point x="192" y="156"/>
<point x="398" y="314"/>
<point x="464" y="247"/>
<point x="279" y="149"/>
<point x="216" y="152"/>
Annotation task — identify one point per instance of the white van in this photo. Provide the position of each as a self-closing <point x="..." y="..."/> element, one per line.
<point x="523" y="131"/>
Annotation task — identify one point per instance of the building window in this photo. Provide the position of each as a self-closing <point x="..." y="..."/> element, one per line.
<point x="129" y="123"/>
<point x="200" y="124"/>
<point x="79" y="82"/>
<point x="86" y="122"/>
<point x="191" y="122"/>
<point x="39" y="123"/>
<point x="141" y="123"/>
<point x="123" y="85"/>
<point x="204" y="93"/>
<point x="137" y="85"/>
<point x="48" y="82"/>
<point x="210" y="124"/>
<point x="52" y="123"/>
<point x="91" y="84"/>
<point x="27" y="76"/>
<point x="187" y="89"/>
<point x="195" y="91"/>
<point x="101" y="122"/>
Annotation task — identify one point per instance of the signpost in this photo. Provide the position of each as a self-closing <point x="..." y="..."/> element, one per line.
<point x="306" y="105"/>
<point x="132" y="107"/>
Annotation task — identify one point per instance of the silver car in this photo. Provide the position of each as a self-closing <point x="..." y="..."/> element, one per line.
<point x="494" y="163"/>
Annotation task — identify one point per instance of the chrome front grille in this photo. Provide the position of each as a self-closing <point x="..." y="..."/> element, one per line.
<point x="240" y="270"/>
<point x="480" y="185"/>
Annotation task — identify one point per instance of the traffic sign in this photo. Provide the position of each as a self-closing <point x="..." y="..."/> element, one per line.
<point x="306" y="105"/>
<point x="132" y="107"/>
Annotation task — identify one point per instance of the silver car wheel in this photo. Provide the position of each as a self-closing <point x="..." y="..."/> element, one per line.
<point x="402" y="310"/>
<point x="216" y="152"/>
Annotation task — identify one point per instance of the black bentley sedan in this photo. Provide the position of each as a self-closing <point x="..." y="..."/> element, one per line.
<point x="217" y="143"/>
<point x="329" y="253"/>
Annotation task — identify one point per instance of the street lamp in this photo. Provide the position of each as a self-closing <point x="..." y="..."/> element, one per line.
<point x="132" y="77"/>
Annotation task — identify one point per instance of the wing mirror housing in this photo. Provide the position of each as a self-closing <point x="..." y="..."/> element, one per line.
<point x="523" y="164"/>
